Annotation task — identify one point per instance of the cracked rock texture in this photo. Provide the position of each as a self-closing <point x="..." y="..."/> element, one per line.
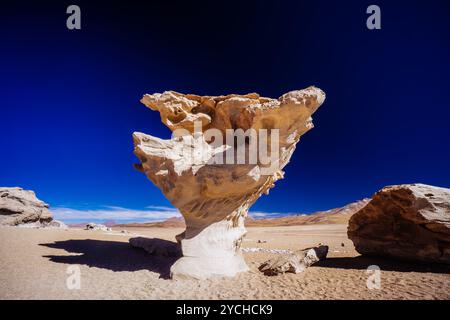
<point x="295" y="262"/>
<point x="214" y="197"/>
<point x="20" y="207"/>
<point x="408" y="222"/>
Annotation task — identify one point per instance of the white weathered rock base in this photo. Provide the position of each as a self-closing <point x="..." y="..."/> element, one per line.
<point x="215" y="251"/>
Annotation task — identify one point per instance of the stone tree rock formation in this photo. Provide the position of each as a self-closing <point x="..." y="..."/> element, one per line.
<point x="18" y="207"/>
<point x="204" y="177"/>
<point x="409" y="222"/>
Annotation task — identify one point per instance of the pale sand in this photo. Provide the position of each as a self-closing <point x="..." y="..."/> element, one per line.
<point x="34" y="265"/>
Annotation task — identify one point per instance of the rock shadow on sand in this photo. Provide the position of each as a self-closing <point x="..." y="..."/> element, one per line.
<point x="113" y="255"/>
<point x="363" y="262"/>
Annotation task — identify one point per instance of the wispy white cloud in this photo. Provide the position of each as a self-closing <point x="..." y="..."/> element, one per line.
<point x="118" y="214"/>
<point x="265" y="215"/>
<point x="259" y="214"/>
<point x="162" y="208"/>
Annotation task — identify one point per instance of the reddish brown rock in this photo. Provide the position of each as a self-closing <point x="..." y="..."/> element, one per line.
<point x="408" y="222"/>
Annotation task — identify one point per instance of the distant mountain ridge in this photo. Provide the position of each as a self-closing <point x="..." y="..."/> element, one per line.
<point x="107" y="223"/>
<point x="333" y="216"/>
<point x="173" y="222"/>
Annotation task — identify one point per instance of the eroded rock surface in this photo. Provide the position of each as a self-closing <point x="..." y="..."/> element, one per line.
<point x="57" y="224"/>
<point x="20" y="207"/>
<point x="214" y="196"/>
<point x="409" y="222"/>
<point x="96" y="226"/>
<point x="295" y="262"/>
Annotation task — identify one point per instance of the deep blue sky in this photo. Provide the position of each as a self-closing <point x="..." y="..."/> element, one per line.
<point x="70" y="99"/>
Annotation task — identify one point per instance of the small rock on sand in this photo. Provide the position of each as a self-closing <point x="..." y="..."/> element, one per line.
<point x="295" y="262"/>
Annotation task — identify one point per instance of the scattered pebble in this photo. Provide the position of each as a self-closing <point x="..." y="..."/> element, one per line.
<point x="278" y="251"/>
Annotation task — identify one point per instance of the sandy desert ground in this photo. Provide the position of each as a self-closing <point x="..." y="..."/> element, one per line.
<point x="34" y="265"/>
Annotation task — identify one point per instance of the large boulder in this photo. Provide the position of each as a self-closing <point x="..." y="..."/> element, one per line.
<point x="20" y="207"/>
<point x="215" y="166"/>
<point x="409" y="222"/>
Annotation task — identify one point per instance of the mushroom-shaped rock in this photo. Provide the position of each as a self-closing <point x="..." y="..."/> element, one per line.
<point x="225" y="152"/>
